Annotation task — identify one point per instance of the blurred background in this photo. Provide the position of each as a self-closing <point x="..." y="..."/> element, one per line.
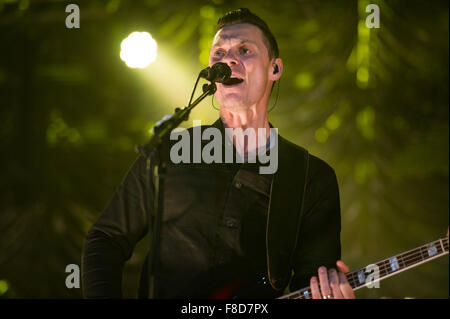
<point x="373" y="103"/>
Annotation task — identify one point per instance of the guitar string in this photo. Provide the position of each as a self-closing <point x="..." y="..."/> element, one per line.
<point x="384" y="266"/>
<point x="406" y="258"/>
<point x="353" y="281"/>
<point x="414" y="255"/>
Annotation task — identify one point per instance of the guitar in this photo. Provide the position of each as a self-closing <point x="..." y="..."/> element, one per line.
<point x="386" y="268"/>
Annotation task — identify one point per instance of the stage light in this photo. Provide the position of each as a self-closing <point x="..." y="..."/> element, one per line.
<point x="138" y="50"/>
<point x="3" y="287"/>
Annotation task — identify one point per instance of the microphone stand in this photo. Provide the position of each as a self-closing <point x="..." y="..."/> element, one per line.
<point x="151" y="150"/>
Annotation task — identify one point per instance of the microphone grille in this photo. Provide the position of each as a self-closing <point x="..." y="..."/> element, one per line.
<point x="223" y="71"/>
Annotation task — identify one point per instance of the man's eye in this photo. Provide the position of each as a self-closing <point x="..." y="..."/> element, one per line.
<point x="218" y="53"/>
<point x="244" y="50"/>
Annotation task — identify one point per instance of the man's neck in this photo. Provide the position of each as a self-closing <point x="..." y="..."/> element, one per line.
<point x="250" y="118"/>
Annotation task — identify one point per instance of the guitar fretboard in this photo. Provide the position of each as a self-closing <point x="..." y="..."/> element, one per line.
<point x="388" y="267"/>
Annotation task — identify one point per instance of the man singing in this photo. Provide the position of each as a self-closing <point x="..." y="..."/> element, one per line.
<point x="227" y="229"/>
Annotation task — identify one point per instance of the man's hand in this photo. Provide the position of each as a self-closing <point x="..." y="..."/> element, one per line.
<point x="333" y="283"/>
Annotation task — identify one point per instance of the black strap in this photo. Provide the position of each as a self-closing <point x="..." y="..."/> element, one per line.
<point x="285" y="211"/>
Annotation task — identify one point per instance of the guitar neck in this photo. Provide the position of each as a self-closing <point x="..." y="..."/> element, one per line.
<point x="386" y="268"/>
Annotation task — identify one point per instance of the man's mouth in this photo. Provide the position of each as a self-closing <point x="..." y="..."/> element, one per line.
<point x="233" y="81"/>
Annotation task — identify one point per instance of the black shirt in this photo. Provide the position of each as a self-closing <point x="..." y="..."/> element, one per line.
<point x="213" y="231"/>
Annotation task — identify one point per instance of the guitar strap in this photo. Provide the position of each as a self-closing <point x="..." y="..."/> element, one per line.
<point x="285" y="211"/>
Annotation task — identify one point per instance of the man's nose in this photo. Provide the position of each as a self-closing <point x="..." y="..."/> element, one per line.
<point x="230" y="59"/>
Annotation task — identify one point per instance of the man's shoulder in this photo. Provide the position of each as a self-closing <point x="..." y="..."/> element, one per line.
<point x="320" y="167"/>
<point x="316" y="164"/>
<point x="290" y="147"/>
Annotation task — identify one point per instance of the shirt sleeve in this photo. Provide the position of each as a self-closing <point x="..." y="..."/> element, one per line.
<point x="319" y="239"/>
<point x="111" y="240"/>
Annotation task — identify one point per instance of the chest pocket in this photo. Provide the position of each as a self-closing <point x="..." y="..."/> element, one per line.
<point x="191" y="188"/>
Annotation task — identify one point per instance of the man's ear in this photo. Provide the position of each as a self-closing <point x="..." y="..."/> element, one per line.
<point x="277" y="69"/>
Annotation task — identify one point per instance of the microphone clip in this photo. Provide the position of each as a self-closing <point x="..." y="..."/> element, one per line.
<point x="210" y="88"/>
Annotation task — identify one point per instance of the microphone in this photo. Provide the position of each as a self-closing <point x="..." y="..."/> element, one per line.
<point x="219" y="72"/>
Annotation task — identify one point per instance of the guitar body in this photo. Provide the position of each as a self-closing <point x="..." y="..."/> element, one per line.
<point x="237" y="281"/>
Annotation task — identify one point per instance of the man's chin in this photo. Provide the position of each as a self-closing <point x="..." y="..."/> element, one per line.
<point x="233" y="101"/>
<point x="234" y="105"/>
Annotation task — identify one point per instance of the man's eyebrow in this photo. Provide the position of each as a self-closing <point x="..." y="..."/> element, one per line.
<point x="226" y="37"/>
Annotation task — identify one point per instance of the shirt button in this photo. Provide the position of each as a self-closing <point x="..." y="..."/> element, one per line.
<point x="229" y="223"/>
<point x="238" y="185"/>
<point x="263" y="281"/>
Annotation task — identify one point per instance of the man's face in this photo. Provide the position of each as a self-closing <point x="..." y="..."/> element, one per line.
<point x="242" y="47"/>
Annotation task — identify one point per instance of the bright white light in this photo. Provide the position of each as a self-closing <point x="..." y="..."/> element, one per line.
<point x="138" y="50"/>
